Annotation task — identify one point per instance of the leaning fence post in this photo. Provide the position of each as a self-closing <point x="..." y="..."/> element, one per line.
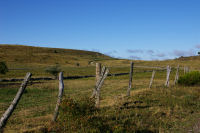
<point x="14" y="103"/>
<point x="168" y="74"/>
<point x="130" y="79"/>
<point x="177" y="75"/>
<point x="101" y="81"/>
<point x="98" y="76"/>
<point x="61" y="88"/>
<point x="103" y="70"/>
<point x="151" y="81"/>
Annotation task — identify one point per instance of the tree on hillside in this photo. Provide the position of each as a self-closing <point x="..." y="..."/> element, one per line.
<point x="54" y="70"/>
<point x="3" y="68"/>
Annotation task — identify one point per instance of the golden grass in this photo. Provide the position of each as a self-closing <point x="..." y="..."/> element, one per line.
<point x="36" y="56"/>
<point x="36" y="106"/>
<point x="28" y="119"/>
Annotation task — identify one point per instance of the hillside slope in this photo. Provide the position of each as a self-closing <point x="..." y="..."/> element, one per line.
<point x="74" y="62"/>
<point x="19" y="54"/>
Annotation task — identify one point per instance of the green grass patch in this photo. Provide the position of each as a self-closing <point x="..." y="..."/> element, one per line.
<point x="189" y="79"/>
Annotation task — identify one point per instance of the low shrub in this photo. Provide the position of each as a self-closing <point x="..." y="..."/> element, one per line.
<point x="79" y="108"/>
<point x="77" y="64"/>
<point x="190" y="79"/>
<point x="80" y="116"/>
<point x="54" y="70"/>
<point x="3" y="68"/>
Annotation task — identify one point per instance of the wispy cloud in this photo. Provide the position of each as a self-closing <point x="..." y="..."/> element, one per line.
<point x="135" y="57"/>
<point x="111" y="53"/>
<point x="160" y="55"/>
<point x="155" y="55"/>
<point x="96" y="50"/>
<point x="151" y="52"/>
<point x="197" y="46"/>
<point x="135" y="51"/>
<point x="190" y="52"/>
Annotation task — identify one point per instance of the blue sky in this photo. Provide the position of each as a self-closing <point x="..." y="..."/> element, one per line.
<point x="134" y="29"/>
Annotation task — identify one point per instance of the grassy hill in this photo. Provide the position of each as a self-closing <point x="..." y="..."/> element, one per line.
<point x="37" y="59"/>
<point x="73" y="62"/>
<point x="19" y="54"/>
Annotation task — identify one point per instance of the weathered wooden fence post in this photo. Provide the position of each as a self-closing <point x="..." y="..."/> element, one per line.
<point x="186" y="69"/>
<point x="14" y="103"/>
<point x="151" y="81"/>
<point x="105" y="72"/>
<point x="61" y="88"/>
<point x="98" y="72"/>
<point x="168" y="74"/>
<point x="177" y="75"/>
<point x="98" y="76"/>
<point x="130" y="80"/>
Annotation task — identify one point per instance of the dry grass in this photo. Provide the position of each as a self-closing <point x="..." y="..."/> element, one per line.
<point x="171" y="109"/>
<point x="36" y="106"/>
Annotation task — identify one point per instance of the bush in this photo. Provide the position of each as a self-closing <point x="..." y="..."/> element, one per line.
<point x="54" y="70"/>
<point x="77" y="64"/>
<point x="79" y="116"/>
<point x="79" y="108"/>
<point x="3" y="68"/>
<point x="189" y="79"/>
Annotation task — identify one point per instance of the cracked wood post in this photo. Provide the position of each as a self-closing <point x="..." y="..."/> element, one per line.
<point x="14" y="103"/>
<point x="130" y="80"/>
<point x="98" y="76"/>
<point x="98" y="72"/>
<point x="103" y="70"/>
<point x="61" y="88"/>
<point x="168" y="74"/>
<point x="97" y="83"/>
<point x="177" y="75"/>
<point x="152" y="77"/>
<point x="101" y="81"/>
<point x="185" y="71"/>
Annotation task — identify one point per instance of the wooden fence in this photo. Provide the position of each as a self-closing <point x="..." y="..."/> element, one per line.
<point x="101" y="73"/>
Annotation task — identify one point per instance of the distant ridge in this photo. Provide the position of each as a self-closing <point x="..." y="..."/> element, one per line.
<point x="43" y="55"/>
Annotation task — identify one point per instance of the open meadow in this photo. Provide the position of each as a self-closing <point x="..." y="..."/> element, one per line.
<point x="158" y="109"/>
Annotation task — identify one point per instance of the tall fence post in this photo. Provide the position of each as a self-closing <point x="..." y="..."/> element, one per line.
<point x="14" y="103"/>
<point x="152" y="77"/>
<point x="177" y="75"/>
<point x="61" y="88"/>
<point x="105" y="72"/>
<point x="98" y="72"/>
<point x="130" y="80"/>
<point x="186" y="69"/>
<point x="98" y="76"/>
<point x="168" y="74"/>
